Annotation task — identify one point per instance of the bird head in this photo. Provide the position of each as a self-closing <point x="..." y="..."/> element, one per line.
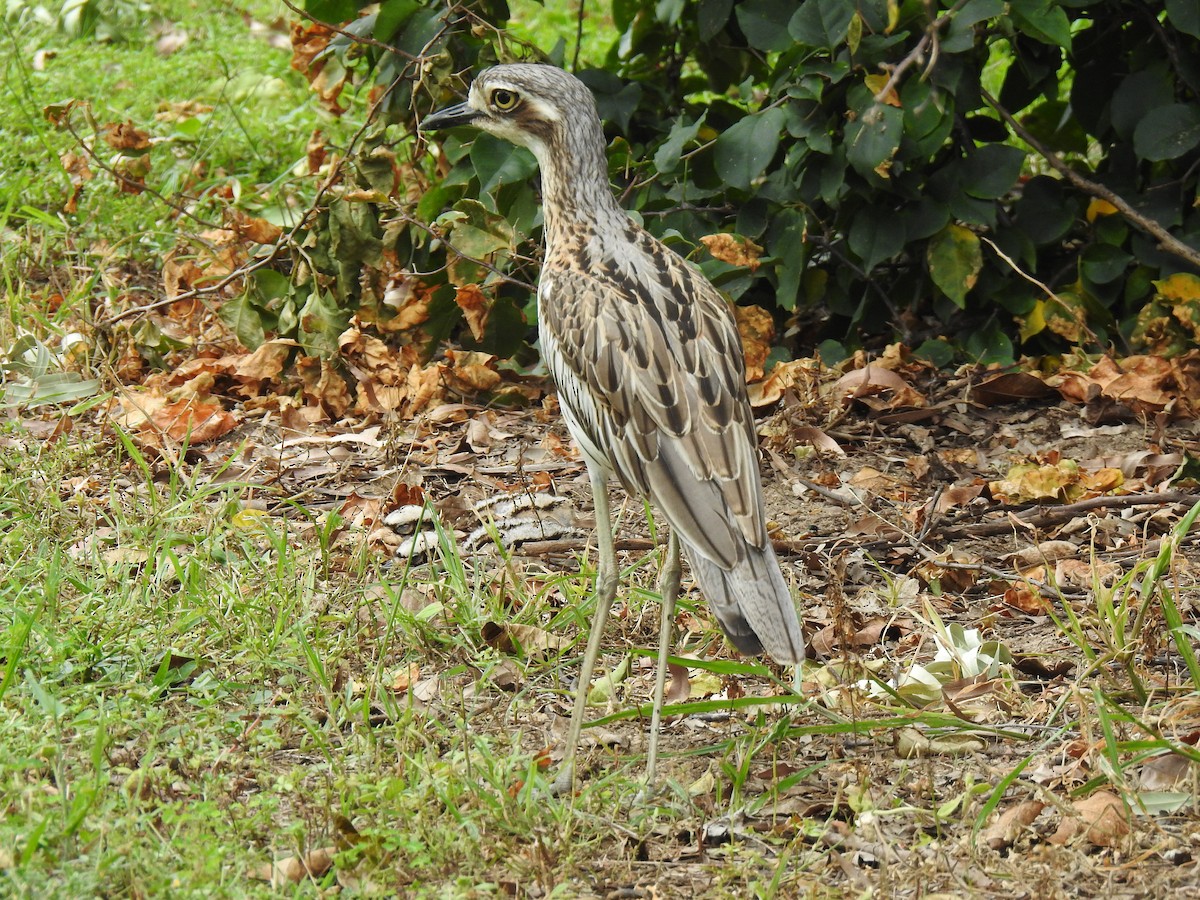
<point x="535" y="106"/>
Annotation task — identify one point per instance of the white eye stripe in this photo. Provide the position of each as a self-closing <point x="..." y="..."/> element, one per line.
<point x="542" y="110"/>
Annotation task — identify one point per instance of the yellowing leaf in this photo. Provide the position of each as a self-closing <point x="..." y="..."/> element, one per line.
<point x="1035" y="322"/>
<point x="1180" y="287"/>
<point x="955" y="260"/>
<point x="248" y="519"/>
<point x="1098" y="208"/>
<point x="1038" y="482"/>
<point x="876" y="83"/>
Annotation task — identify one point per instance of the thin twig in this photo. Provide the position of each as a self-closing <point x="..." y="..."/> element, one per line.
<point x="578" y="34"/>
<point x="1041" y="517"/>
<point x="918" y="52"/>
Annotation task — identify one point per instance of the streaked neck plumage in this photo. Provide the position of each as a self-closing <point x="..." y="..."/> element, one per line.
<point x="577" y="198"/>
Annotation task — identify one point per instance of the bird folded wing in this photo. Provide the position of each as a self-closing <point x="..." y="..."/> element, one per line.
<point x="659" y="383"/>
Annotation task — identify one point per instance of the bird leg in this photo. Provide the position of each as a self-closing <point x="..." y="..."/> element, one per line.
<point x="606" y="590"/>
<point x="668" y="586"/>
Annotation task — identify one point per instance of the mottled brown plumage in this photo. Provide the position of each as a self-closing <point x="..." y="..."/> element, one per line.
<point x="649" y="368"/>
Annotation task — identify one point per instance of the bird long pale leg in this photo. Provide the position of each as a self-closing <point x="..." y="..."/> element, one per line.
<point x="606" y="590"/>
<point x="668" y="586"/>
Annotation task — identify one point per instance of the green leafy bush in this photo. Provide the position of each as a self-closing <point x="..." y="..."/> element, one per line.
<point x="987" y="177"/>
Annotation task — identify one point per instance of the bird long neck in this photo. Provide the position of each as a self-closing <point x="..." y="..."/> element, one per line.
<point x="577" y="198"/>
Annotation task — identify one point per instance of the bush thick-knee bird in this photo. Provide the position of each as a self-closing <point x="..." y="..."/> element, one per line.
<point x="648" y="364"/>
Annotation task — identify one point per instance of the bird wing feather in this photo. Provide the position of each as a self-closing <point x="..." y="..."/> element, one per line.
<point x="649" y="366"/>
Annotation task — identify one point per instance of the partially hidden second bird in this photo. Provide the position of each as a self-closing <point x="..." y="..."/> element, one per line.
<point x="648" y="363"/>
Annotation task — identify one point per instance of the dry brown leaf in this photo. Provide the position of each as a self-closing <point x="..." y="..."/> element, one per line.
<point x="410" y="300"/>
<point x="1045" y="552"/>
<point x="170" y="42"/>
<point x="818" y="438"/>
<point x="294" y="869"/>
<point x="475" y="306"/>
<point x="266" y="363"/>
<point x="533" y="641"/>
<point x="1166" y="772"/>
<point x="733" y="249"/>
<point x="1103" y="818"/>
<point x="309" y="43"/>
<point x="506" y="675"/>
<point x="315" y="151"/>
<point x="1003" y="833"/>
<point x="361" y="512"/>
<point x="911" y="743"/>
<point x="324" y="386"/>
<point x="252" y="228"/>
<point x="1026" y="598"/>
<point x="680" y="687"/>
<point x="404" y="678"/>
<point x="877" y="381"/>
<point x="76" y="166"/>
<point x="1143" y="385"/>
<point x="955" y="579"/>
<point x="193" y="419"/>
<point x="124" y="136"/>
<point x="757" y="329"/>
<point x="801" y="375"/>
<point x="471" y="371"/>
<point x="1009" y="387"/>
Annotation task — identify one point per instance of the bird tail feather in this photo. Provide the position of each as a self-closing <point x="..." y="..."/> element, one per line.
<point x="753" y="604"/>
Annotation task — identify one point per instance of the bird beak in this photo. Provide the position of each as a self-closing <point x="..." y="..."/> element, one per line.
<point x="458" y="114"/>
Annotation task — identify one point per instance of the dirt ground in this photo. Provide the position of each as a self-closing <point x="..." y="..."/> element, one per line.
<point x="881" y="525"/>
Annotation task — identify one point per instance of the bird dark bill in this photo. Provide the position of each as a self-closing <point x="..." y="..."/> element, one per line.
<point x="458" y="114"/>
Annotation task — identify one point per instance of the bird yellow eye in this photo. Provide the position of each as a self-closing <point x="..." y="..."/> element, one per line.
<point x="504" y="100"/>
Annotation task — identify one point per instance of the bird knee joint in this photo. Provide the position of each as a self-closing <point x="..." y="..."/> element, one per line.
<point x="606" y="584"/>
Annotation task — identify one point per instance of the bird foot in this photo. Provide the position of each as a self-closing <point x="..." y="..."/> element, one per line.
<point x="646" y="795"/>
<point x="564" y="781"/>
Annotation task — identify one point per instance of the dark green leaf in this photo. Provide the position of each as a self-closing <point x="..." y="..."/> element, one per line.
<point x="393" y="14"/>
<point x="876" y="234"/>
<point x="743" y="151"/>
<point x="873" y="138"/>
<point x="498" y="162"/>
<point x="936" y="351"/>
<point x="1042" y="211"/>
<point x="332" y="11"/>
<point x="615" y="99"/>
<point x="990" y="171"/>
<point x="1102" y="263"/>
<point x="961" y="33"/>
<point x="821" y="23"/>
<point x="1185" y="15"/>
<point x="666" y="157"/>
<point x="711" y="17"/>
<point x="924" y="218"/>
<point x="1055" y="125"/>
<point x="790" y="252"/>
<point x="271" y="286"/>
<point x="1167" y="132"/>
<point x="1139" y="93"/>
<point x="1043" y="20"/>
<point x="321" y="322"/>
<point x="244" y="320"/>
<point x="765" y="23"/>
<point x="990" y="345"/>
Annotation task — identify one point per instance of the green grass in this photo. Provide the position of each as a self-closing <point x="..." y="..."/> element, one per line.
<point x="254" y="133"/>
<point x="191" y="688"/>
